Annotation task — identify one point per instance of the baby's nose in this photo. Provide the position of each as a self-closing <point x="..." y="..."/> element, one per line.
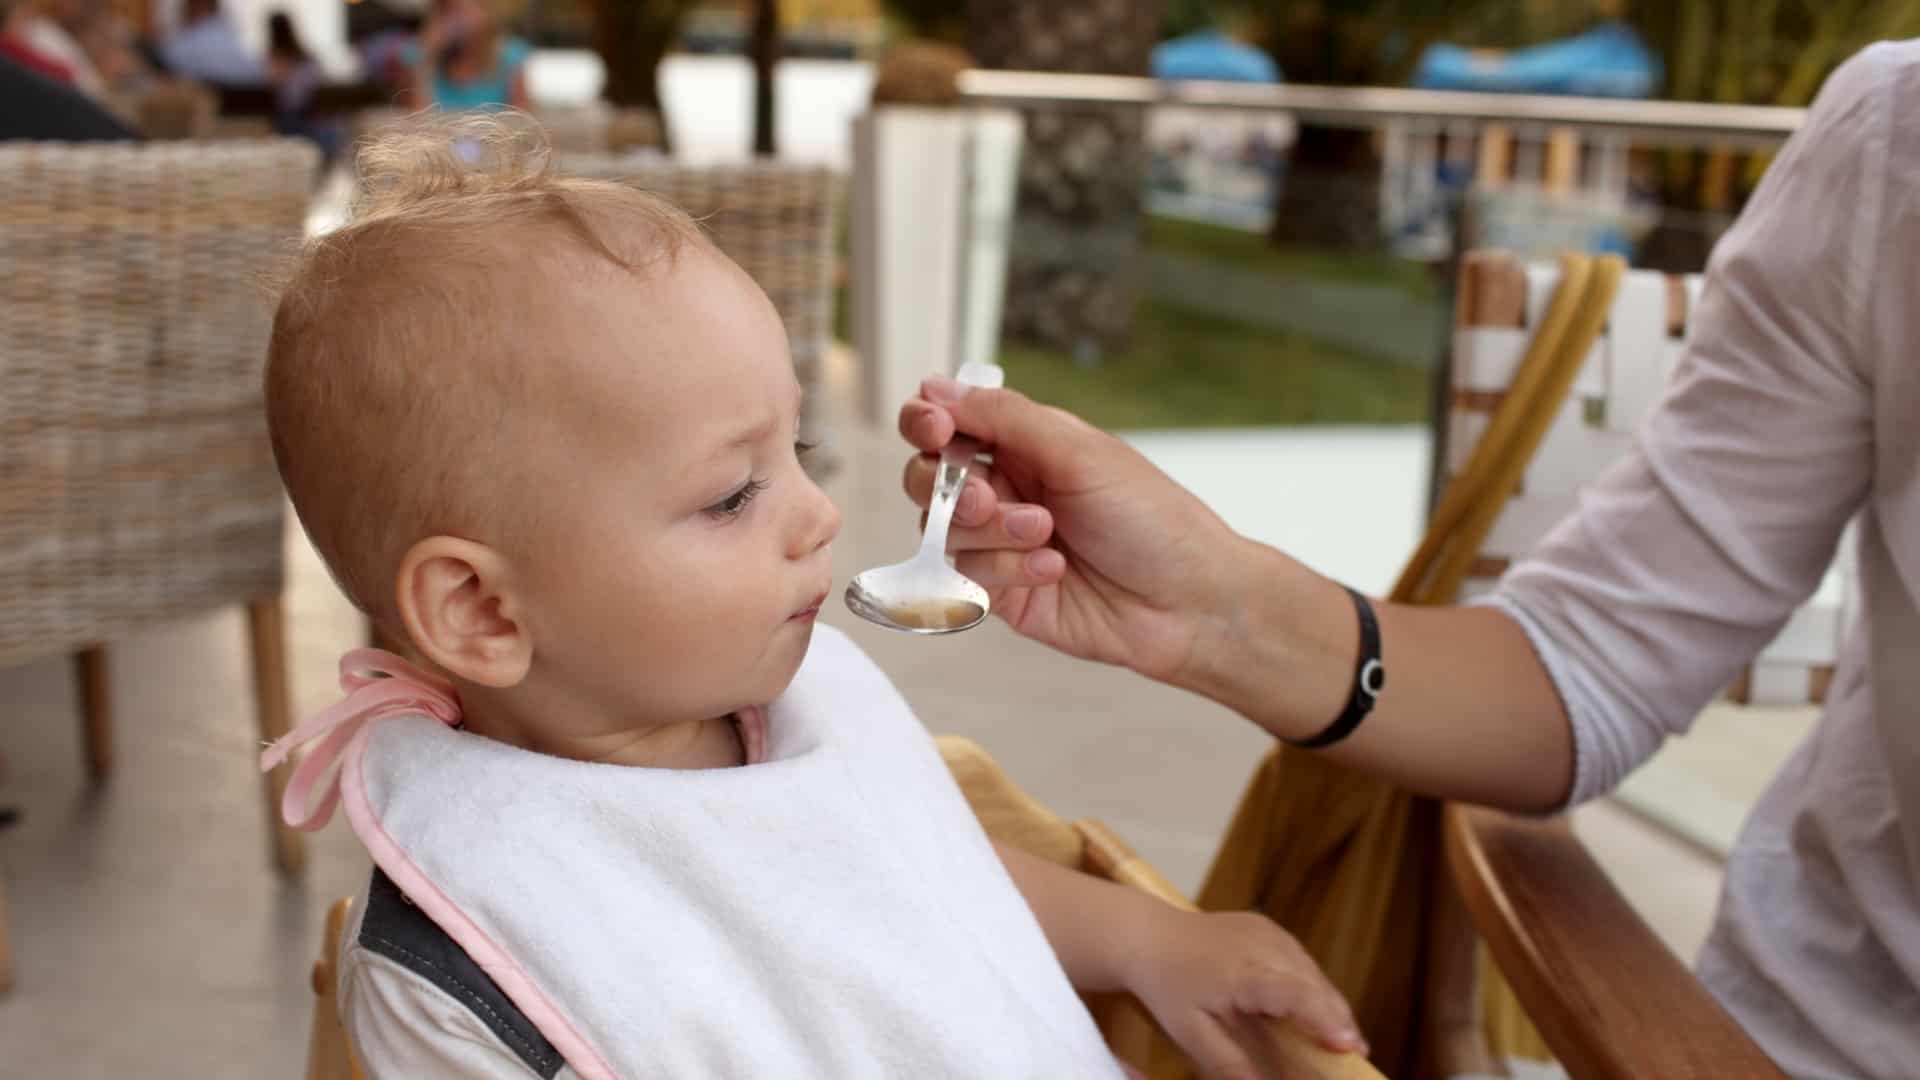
<point x="819" y="525"/>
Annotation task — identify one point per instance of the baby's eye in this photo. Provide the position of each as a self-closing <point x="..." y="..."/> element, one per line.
<point x="732" y="505"/>
<point x="801" y="447"/>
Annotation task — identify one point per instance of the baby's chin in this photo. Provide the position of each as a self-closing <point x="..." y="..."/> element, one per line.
<point x="783" y="665"/>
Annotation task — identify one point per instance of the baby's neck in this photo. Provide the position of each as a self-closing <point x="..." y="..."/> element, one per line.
<point x="712" y="743"/>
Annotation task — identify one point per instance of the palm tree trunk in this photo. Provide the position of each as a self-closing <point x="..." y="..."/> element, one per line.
<point x="632" y="38"/>
<point x="1075" y="269"/>
<point x="764" y="45"/>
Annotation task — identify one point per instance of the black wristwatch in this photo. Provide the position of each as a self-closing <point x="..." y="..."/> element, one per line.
<point x="1369" y="678"/>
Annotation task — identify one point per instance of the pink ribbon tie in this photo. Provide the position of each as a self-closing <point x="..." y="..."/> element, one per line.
<point x="378" y="685"/>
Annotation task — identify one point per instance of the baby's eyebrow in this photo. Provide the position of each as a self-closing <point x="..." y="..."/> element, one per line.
<point x="748" y="437"/>
<point x="761" y="430"/>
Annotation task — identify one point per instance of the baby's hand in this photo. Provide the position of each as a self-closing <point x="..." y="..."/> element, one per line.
<point x="1203" y="975"/>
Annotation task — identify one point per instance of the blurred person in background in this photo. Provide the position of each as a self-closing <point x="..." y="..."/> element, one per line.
<point x="114" y="47"/>
<point x="464" y="60"/>
<point x="14" y="17"/>
<point x="207" y="48"/>
<point x="382" y="37"/>
<point x="294" y="75"/>
<point x="46" y="29"/>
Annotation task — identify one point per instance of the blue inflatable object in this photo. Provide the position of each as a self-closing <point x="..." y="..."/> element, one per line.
<point x="1607" y="61"/>
<point x="1210" y="54"/>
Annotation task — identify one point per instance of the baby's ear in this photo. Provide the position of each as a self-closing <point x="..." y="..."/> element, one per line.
<point x="452" y="596"/>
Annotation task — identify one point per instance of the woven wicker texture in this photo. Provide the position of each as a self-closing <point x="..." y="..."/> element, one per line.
<point x="136" y="483"/>
<point x="776" y="220"/>
<point x="592" y="128"/>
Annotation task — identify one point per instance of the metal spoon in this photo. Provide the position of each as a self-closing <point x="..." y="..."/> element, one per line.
<point x="924" y="595"/>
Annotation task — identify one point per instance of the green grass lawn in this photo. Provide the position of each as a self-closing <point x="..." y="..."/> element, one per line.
<point x="1183" y="370"/>
<point x="1252" y="251"/>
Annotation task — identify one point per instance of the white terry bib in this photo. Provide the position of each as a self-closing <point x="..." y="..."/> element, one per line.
<point x="834" y="912"/>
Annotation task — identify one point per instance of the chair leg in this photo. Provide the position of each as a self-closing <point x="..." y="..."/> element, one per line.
<point x="330" y="1053"/>
<point x="6" y="944"/>
<point x="1454" y="1027"/>
<point x="96" y="710"/>
<point x="267" y="628"/>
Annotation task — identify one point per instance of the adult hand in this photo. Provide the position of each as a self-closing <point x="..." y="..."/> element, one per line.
<point x="1082" y="543"/>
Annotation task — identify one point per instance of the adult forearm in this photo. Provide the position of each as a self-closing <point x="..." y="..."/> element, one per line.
<point x="1468" y="711"/>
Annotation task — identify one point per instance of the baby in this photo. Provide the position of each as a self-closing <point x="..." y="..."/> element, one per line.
<point x="644" y="817"/>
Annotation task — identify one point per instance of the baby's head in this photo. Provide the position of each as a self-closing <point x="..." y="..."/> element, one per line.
<point x="544" y="430"/>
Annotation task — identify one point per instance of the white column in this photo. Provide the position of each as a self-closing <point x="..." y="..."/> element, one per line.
<point x="933" y="192"/>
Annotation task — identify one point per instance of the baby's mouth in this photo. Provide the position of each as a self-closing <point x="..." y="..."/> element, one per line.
<point x="751" y="723"/>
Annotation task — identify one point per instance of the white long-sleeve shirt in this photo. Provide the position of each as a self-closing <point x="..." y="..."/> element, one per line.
<point x="1796" y="408"/>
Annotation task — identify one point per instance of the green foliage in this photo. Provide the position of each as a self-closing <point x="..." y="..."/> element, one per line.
<point x="942" y="20"/>
<point x="1753" y="51"/>
<point x="1179" y="17"/>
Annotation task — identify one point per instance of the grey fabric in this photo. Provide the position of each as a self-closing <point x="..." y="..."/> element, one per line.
<point x="401" y="932"/>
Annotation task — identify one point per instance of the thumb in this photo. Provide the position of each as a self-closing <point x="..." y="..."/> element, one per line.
<point x="1006" y="419"/>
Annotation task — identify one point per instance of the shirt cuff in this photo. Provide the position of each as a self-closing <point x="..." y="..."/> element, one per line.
<point x="1578" y="693"/>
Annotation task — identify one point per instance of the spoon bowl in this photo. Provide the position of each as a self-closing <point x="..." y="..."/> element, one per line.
<point x="915" y="597"/>
<point x="924" y="595"/>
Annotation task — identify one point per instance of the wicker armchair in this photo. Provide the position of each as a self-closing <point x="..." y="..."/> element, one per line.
<point x="136" y="483"/>
<point x="173" y="110"/>
<point x="599" y="128"/>
<point x="592" y="128"/>
<point x="778" y="222"/>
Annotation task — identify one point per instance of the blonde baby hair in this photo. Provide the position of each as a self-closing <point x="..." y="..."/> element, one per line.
<point x="402" y="356"/>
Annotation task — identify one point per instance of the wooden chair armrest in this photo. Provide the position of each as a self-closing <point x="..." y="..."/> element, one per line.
<point x="1005" y="810"/>
<point x="1012" y="816"/>
<point x="1607" y="995"/>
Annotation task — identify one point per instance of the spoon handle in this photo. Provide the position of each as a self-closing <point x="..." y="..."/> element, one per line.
<point x="948" y="481"/>
<point x="951" y="478"/>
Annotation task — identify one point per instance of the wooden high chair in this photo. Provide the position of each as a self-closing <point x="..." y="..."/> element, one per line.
<point x="1550" y="386"/>
<point x="1011" y="816"/>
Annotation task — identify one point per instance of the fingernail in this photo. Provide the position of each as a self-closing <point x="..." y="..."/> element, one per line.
<point x="925" y="426"/>
<point x="1027" y="523"/>
<point x="942" y="389"/>
<point x="968" y="503"/>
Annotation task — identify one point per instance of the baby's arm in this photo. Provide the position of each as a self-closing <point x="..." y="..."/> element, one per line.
<point x="1196" y="972"/>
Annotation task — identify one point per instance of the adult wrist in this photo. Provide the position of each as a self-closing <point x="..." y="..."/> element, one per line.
<point x="1369" y="678"/>
<point x="1281" y="646"/>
